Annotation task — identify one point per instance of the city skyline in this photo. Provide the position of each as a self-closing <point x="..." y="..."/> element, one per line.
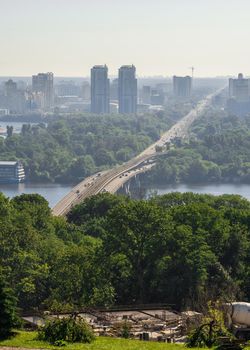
<point x="159" y="37"/>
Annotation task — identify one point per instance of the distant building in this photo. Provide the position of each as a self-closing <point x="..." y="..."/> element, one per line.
<point x="182" y="86"/>
<point x="4" y="111"/>
<point x="13" y="99"/>
<point x="11" y="172"/>
<point x="85" y="91"/>
<point x="239" y="96"/>
<point x="146" y="94"/>
<point x="239" y="89"/>
<point x="100" y="90"/>
<point x="43" y="83"/>
<point x="157" y="98"/>
<point x="114" y="90"/>
<point x="127" y="90"/>
<point x="67" y="88"/>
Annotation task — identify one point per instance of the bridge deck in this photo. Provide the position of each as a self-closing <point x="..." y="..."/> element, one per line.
<point x="113" y="179"/>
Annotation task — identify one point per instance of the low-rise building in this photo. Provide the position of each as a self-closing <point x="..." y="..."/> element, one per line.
<point x="11" y="172"/>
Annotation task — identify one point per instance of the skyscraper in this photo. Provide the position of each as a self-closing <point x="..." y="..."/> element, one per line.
<point x="239" y="96"/>
<point x="14" y="99"/>
<point x="44" y="83"/>
<point x="239" y="89"/>
<point x="127" y="90"/>
<point x="99" y="90"/>
<point x="182" y="86"/>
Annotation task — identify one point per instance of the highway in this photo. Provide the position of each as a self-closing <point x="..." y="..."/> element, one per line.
<point x="112" y="180"/>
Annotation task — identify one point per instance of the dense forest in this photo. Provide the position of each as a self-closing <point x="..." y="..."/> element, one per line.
<point x="218" y="151"/>
<point x="181" y="249"/>
<point x="69" y="148"/>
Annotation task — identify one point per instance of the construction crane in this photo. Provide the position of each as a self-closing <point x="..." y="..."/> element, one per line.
<point x="192" y="69"/>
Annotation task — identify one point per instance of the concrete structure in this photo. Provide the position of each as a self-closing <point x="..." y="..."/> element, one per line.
<point x="127" y="90"/>
<point x="85" y="91"/>
<point x="43" y="83"/>
<point x="239" y="96"/>
<point x="155" y="323"/>
<point x="239" y="89"/>
<point x="4" y="111"/>
<point x="14" y="99"/>
<point x="67" y="88"/>
<point x="11" y="172"/>
<point x="146" y="94"/>
<point x="182" y="86"/>
<point x="100" y="90"/>
<point x="114" y="90"/>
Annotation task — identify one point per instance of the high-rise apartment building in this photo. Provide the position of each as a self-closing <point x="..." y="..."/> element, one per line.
<point x="114" y="90"/>
<point x="239" y="96"/>
<point x="146" y="94"/>
<point x="239" y="89"/>
<point x="127" y="90"/>
<point x="14" y="99"/>
<point x="43" y="83"/>
<point x="182" y="86"/>
<point x="100" y="90"/>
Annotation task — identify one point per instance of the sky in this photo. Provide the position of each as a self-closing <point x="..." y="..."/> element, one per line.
<point x="160" y="37"/>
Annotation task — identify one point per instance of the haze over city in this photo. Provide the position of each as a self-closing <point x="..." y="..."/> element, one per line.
<point x="161" y="37"/>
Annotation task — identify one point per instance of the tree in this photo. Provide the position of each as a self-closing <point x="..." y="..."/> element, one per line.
<point x="133" y="233"/>
<point x="8" y="310"/>
<point x="9" y="131"/>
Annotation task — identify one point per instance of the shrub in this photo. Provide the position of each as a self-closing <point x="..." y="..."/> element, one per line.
<point x="212" y="328"/>
<point x="72" y="330"/>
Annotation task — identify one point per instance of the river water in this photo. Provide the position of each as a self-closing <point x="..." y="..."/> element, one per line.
<point x="55" y="192"/>
<point x="52" y="192"/>
<point x="214" y="189"/>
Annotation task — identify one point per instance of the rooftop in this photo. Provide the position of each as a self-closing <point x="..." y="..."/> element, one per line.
<point x="3" y="162"/>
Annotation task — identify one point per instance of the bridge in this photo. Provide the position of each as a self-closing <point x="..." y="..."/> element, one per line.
<point x="112" y="180"/>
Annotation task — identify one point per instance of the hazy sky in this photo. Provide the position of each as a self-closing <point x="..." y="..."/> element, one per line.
<point x="161" y="37"/>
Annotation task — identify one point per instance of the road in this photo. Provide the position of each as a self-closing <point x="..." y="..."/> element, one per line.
<point x="112" y="180"/>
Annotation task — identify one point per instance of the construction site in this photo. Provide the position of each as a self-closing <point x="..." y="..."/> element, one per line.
<point x="146" y="323"/>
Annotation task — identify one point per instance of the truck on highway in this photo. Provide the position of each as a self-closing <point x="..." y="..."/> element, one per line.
<point x="239" y="319"/>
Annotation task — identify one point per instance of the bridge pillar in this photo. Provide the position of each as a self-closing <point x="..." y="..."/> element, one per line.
<point x="127" y="188"/>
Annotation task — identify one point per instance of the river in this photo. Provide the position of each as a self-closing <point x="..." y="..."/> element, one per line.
<point x="52" y="192"/>
<point x="214" y="189"/>
<point x="55" y="192"/>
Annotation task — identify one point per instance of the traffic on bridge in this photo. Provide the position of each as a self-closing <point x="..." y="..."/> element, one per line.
<point x="112" y="180"/>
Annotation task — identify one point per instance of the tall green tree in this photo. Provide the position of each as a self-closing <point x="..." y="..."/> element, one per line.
<point x="8" y="310"/>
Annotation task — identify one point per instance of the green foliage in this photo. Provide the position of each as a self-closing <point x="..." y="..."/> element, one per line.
<point x="72" y="330"/>
<point x="218" y="151"/>
<point x="125" y="330"/>
<point x="8" y="310"/>
<point x="76" y="146"/>
<point x="60" y="343"/>
<point x="212" y="328"/>
<point x="180" y="249"/>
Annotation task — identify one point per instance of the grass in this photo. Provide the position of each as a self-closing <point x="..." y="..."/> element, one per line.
<point x="28" y="340"/>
